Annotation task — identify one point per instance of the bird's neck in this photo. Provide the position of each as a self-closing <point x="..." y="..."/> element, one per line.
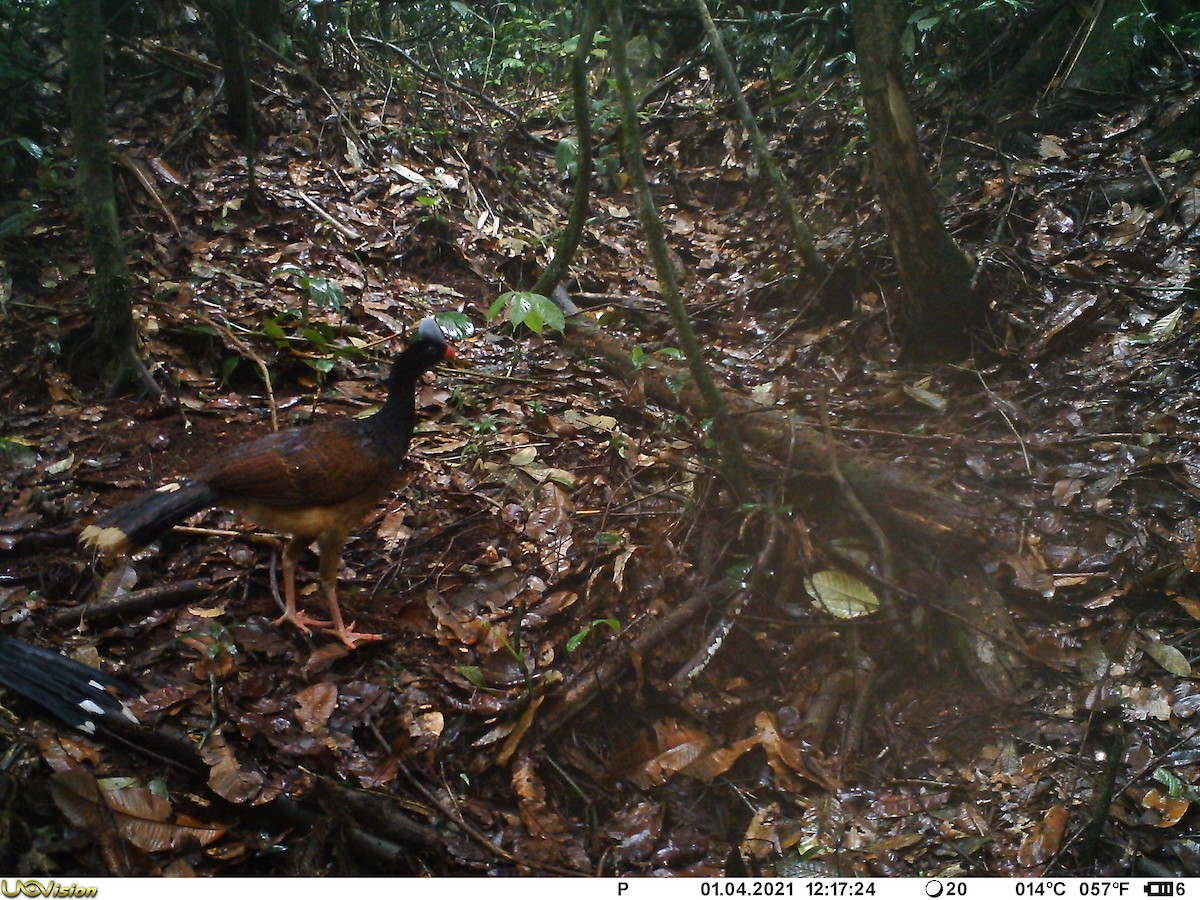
<point x="392" y="426"/>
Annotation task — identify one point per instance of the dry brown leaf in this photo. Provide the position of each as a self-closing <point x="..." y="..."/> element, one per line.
<point x="315" y="704"/>
<point x="786" y="759"/>
<point x="226" y="778"/>
<point x="523" y="724"/>
<point x="717" y="763"/>
<point x="655" y="759"/>
<point x="1045" y="839"/>
<point x="140" y="816"/>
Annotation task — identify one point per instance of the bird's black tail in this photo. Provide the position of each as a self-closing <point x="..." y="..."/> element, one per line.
<point x="71" y="691"/>
<point x="140" y="521"/>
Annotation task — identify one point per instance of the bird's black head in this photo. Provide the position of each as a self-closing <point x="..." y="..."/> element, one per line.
<point x="428" y="348"/>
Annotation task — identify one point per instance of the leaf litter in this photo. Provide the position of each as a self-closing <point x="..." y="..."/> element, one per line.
<point x="544" y="495"/>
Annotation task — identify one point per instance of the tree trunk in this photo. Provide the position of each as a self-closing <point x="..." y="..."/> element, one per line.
<point x="112" y="323"/>
<point x="939" y="308"/>
<point x="733" y="461"/>
<point x="556" y="271"/>
<point x="228" y="23"/>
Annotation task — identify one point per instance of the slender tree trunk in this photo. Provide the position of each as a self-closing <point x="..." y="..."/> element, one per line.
<point x="228" y="23"/>
<point x="265" y="20"/>
<point x="939" y="308"/>
<point x="802" y="238"/>
<point x="733" y="460"/>
<point x="557" y="269"/>
<point x="112" y="309"/>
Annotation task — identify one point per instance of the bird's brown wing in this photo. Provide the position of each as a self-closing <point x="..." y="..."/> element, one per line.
<point x="322" y="465"/>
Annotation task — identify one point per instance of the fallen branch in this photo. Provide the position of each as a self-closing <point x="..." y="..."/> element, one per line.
<point x="160" y="595"/>
<point x="897" y="498"/>
<point x="653" y="633"/>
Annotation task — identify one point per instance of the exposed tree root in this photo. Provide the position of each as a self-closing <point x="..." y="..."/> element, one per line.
<point x="937" y="541"/>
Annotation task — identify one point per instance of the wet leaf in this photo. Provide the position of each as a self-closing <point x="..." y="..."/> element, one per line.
<point x="1044" y="839"/>
<point x="922" y="394"/>
<point x="315" y="704"/>
<point x="1166" y="656"/>
<point x="1169" y="809"/>
<point x="1165" y="327"/>
<point x="139" y="816"/>
<point x="841" y="595"/>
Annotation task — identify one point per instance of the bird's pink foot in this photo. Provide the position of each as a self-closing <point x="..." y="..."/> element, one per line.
<point x="351" y="638"/>
<point x="302" y="620"/>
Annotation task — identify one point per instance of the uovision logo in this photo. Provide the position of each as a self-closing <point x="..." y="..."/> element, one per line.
<point x="21" y="888"/>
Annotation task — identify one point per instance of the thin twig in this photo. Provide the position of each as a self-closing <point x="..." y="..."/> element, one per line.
<point x="340" y="227"/>
<point x="133" y="602"/>
<point x="587" y="686"/>
<point x="460" y="88"/>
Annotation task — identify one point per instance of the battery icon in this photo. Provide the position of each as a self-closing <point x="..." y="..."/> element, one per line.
<point x="1160" y="889"/>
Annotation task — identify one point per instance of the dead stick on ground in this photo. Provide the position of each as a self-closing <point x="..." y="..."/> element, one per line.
<point x="716" y="637"/>
<point x="340" y="227"/>
<point x="589" y="685"/>
<point x="133" y="602"/>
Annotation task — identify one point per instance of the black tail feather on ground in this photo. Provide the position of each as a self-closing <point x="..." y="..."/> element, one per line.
<point x="83" y="697"/>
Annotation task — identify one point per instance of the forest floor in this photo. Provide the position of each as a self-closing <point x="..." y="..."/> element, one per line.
<point x="551" y="513"/>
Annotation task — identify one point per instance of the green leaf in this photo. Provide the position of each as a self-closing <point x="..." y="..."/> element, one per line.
<point x="739" y="574"/>
<point x="519" y="305"/>
<point x="34" y="150"/>
<point x="498" y="306"/>
<point x="1176" y="787"/>
<point x="550" y="312"/>
<point x="473" y="674"/>
<point x="581" y="635"/>
<point x="533" y="321"/>
<point x="321" y="364"/>
<point x="1170" y="781"/>
<point x="455" y="325"/>
<point x="842" y="596"/>
<point x="1167" y="657"/>
<point x="613" y="625"/>
<point x="13" y="225"/>
<point x="274" y="330"/>
<point x="577" y="638"/>
<point x="534" y="311"/>
<point x="326" y="293"/>
<point x="566" y="154"/>
<point x="316" y="338"/>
